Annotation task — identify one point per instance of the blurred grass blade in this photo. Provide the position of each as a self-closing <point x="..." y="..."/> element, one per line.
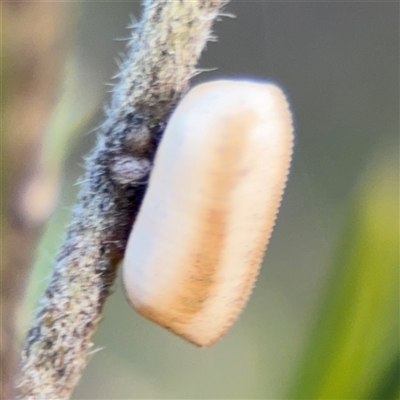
<point x="353" y="351"/>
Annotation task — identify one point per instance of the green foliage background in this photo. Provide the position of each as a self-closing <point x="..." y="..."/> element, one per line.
<point x="323" y="322"/>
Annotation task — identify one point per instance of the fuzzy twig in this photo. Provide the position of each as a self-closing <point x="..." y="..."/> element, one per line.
<point x="162" y="56"/>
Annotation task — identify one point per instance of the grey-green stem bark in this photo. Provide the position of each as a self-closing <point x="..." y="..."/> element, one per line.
<point x="162" y="56"/>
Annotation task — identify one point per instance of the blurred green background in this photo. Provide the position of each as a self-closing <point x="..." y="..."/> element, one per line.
<point x="323" y="322"/>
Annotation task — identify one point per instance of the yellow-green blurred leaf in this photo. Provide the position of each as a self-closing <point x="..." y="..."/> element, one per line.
<point x="353" y="351"/>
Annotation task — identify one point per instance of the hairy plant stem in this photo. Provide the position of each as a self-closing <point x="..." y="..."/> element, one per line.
<point x="162" y="55"/>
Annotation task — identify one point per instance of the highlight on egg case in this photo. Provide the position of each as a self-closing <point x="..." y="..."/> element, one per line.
<point x="196" y="247"/>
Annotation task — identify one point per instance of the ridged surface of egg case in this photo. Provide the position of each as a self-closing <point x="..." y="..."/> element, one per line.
<point x="196" y="247"/>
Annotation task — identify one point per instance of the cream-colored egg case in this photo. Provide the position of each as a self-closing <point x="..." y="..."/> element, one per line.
<point x="196" y="247"/>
